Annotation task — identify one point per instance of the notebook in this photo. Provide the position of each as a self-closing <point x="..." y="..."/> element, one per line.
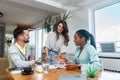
<point x="72" y="77"/>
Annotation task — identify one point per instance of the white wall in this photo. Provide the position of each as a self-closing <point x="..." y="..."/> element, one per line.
<point x="111" y="64"/>
<point x="10" y="28"/>
<point x="78" y="21"/>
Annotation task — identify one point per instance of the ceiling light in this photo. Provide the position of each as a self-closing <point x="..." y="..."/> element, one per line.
<point x="49" y="2"/>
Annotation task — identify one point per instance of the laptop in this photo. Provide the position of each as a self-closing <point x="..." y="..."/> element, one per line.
<point x="72" y="77"/>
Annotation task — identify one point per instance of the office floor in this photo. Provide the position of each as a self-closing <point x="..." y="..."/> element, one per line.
<point x="107" y="75"/>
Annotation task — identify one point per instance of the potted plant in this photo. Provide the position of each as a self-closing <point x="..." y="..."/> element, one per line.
<point x="8" y="41"/>
<point x="91" y="72"/>
<point x="48" y="23"/>
<point x="51" y="21"/>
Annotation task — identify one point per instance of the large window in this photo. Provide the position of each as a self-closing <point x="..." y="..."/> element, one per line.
<point x="107" y="25"/>
<point x="37" y="42"/>
<point x="41" y="36"/>
<point x="32" y="43"/>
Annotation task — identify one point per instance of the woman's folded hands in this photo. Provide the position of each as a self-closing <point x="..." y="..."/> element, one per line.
<point x="71" y="66"/>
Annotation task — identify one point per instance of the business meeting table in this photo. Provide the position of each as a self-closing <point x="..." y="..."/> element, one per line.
<point x="52" y="74"/>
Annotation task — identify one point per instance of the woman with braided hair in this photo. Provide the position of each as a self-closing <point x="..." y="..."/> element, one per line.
<point x="85" y="53"/>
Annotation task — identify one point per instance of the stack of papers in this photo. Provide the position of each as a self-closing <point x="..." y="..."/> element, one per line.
<point x="60" y="65"/>
<point x="16" y="71"/>
<point x="56" y="66"/>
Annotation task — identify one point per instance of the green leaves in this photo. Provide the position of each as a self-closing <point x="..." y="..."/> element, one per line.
<point x="53" y="20"/>
<point x="47" y="23"/>
<point x="91" y="72"/>
<point x="66" y="16"/>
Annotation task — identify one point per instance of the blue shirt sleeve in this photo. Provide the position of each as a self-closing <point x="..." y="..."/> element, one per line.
<point x="87" y="56"/>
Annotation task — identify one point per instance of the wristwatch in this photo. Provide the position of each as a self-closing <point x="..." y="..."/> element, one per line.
<point x="79" y="66"/>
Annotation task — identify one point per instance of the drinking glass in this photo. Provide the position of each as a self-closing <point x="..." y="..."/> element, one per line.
<point x="84" y="69"/>
<point x="45" y="66"/>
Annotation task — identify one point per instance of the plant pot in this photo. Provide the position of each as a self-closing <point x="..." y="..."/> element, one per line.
<point x="96" y="78"/>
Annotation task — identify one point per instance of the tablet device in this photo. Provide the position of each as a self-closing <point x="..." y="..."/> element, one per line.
<point x="72" y="77"/>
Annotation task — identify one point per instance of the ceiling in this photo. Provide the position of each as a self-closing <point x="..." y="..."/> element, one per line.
<point x="32" y="12"/>
<point x="20" y="13"/>
<point x="73" y="5"/>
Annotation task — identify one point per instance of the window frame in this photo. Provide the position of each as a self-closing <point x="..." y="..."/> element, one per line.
<point x="91" y="13"/>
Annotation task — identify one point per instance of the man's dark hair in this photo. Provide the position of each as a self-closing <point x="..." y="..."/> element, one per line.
<point x="18" y="31"/>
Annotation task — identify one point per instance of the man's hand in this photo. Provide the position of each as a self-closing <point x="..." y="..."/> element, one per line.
<point x="58" y="58"/>
<point x="30" y="58"/>
<point x="62" y="55"/>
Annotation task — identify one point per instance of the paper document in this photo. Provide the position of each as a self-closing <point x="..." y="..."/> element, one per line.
<point x="60" y="65"/>
<point x="56" y="66"/>
<point x="52" y="67"/>
<point x="16" y="71"/>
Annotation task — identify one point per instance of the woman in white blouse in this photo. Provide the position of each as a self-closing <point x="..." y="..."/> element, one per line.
<point x="57" y="42"/>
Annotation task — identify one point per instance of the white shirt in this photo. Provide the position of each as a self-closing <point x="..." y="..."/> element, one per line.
<point x="56" y="45"/>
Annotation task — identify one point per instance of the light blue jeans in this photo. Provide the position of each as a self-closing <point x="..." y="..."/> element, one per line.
<point x="51" y="57"/>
